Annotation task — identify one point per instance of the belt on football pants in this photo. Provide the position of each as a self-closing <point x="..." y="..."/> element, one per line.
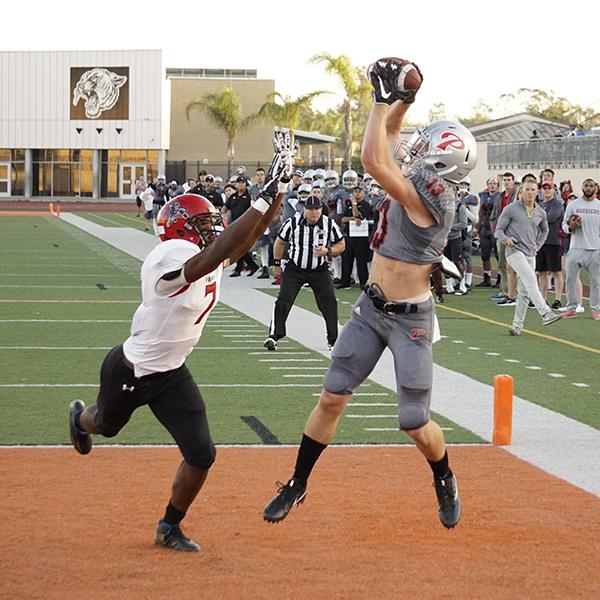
<point x="381" y="303"/>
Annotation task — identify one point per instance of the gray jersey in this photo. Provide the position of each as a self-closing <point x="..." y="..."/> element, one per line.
<point x="399" y="238"/>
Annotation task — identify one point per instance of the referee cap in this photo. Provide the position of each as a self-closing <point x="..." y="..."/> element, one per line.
<point x="313" y="202"/>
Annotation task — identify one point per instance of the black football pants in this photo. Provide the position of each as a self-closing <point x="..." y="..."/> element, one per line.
<point x="292" y="280"/>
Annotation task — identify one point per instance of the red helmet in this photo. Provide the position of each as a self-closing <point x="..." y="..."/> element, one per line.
<point x="189" y="217"/>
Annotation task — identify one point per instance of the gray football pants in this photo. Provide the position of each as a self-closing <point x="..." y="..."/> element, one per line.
<point x="527" y="287"/>
<point x="362" y="342"/>
<point x="578" y="258"/>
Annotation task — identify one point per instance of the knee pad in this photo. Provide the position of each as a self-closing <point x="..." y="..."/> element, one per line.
<point x="413" y="408"/>
<point x="337" y="380"/>
<point x="203" y="458"/>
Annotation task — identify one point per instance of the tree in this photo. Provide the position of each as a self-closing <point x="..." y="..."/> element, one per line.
<point x="356" y="89"/>
<point x="224" y="110"/>
<point x="437" y="112"/>
<point x="547" y="105"/>
<point x="284" y="111"/>
<point x="480" y="113"/>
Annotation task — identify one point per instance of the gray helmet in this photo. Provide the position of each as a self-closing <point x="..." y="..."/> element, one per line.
<point x="332" y="179"/>
<point x="349" y="179"/>
<point x="448" y="147"/>
<point x="319" y="174"/>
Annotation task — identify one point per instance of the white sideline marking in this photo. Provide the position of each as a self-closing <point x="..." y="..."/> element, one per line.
<point x="511" y="360"/>
<point x="581" y="385"/>
<point x="373" y="404"/>
<point x="457" y="342"/>
<point x="73" y="287"/>
<point x="65" y="320"/>
<point x="556" y="375"/>
<point x="372" y="416"/>
<point x="474" y="348"/>
<point x="251" y="335"/>
<point x="321" y="368"/>
<point x="364" y="393"/>
<point x="200" y="384"/>
<point x="534" y="368"/>
<point x="396" y="429"/>
<point x="407" y="445"/>
<point x="109" y="347"/>
<point x="319" y="375"/>
<point x="287" y="352"/>
<point x="290" y="360"/>
<point x="492" y="353"/>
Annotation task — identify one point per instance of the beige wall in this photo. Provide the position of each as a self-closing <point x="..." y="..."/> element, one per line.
<point x="199" y="140"/>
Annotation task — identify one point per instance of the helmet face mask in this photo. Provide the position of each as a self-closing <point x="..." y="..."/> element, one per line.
<point x="332" y="179"/>
<point x="189" y="217"/>
<point x="349" y="179"/>
<point x="448" y="147"/>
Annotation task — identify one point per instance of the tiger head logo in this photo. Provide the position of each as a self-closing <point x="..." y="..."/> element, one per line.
<point x="99" y="89"/>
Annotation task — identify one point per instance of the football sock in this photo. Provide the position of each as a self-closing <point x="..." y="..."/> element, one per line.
<point x="468" y="278"/>
<point x="173" y="516"/>
<point x="308" y="454"/>
<point x="440" y="468"/>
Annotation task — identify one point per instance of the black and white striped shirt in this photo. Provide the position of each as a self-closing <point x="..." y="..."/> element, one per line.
<point x="302" y="237"/>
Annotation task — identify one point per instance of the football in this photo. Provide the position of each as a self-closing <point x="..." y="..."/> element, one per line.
<point x="409" y="78"/>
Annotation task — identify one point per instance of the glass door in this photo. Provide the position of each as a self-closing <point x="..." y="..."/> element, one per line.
<point x="4" y="179"/>
<point x="128" y="175"/>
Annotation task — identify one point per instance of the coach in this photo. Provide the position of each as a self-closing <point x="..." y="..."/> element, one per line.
<point x="312" y="239"/>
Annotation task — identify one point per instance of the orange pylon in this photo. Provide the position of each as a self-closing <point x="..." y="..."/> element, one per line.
<point x="503" y="402"/>
<point x="51" y="209"/>
<point x="58" y="210"/>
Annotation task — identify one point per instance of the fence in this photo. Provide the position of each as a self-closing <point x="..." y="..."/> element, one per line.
<point x="568" y="152"/>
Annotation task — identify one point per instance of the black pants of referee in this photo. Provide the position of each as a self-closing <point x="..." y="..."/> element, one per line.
<point x="292" y="279"/>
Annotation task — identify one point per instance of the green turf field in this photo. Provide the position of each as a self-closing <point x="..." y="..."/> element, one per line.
<point x="67" y="297"/>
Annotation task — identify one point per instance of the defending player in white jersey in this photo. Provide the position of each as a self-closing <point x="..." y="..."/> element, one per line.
<point x="180" y="286"/>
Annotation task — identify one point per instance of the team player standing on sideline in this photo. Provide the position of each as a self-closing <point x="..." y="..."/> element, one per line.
<point x="396" y="309"/>
<point x="180" y="286"/>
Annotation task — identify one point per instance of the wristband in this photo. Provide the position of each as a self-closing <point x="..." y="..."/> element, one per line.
<point x="282" y="187"/>
<point x="276" y="262"/>
<point x="261" y="205"/>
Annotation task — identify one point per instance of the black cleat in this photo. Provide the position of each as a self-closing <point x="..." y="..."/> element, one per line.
<point x="446" y="490"/>
<point x="171" y="536"/>
<point x="82" y="442"/>
<point x="289" y="495"/>
<point x="270" y="344"/>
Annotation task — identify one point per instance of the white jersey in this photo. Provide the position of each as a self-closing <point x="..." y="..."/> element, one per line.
<point x="167" y="326"/>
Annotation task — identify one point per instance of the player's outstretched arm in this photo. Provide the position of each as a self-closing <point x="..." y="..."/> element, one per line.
<point x="382" y="135"/>
<point x="244" y="231"/>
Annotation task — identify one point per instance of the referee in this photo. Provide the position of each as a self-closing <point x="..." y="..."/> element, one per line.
<point x="312" y="239"/>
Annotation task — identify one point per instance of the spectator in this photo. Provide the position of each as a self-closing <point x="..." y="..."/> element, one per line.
<point x="147" y="198"/>
<point x="471" y="204"/>
<point x="453" y="249"/>
<point x="174" y="190"/>
<point x="523" y="227"/>
<point x="355" y="225"/>
<point x="238" y="203"/>
<point x="211" y="193"/>
<point x="264" y="241"/>
<point x="189" y="185"/>
<point x="160" y="189"/>
<point x="582" y="221"/>
<point x="507" y="277"/>
<point x="140" y="186"/>
<point x="487" y="243"/>
<point x="548" y="258"/>
<point x="312" y="240"/>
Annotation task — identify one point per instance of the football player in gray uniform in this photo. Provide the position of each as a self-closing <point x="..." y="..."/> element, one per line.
<point x="396" y="309"/>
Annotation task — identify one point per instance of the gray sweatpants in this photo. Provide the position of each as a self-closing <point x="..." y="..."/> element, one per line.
<point x="577" y="259"/>
<point x="527" y="288"/>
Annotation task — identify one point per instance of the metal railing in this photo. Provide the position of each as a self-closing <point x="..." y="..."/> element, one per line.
<point x="567" y="152"/>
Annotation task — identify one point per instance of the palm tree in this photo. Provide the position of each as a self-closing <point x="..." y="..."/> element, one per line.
<point x="356" y="88"/>
<point x="224" y="110"/>
<point x="284" y="111"/>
